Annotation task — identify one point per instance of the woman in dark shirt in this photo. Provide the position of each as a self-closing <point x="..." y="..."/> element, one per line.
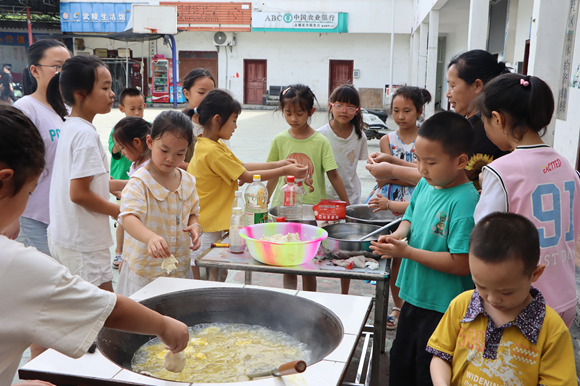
<point x="467" y="74"/>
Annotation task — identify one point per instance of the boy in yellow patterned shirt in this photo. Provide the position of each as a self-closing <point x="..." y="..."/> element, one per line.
<point x="502" y="333"/>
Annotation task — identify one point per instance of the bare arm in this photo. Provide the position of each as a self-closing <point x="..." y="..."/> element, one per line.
<point x="454" y="264"/>
<point x="440" y="372"/>
<point x="131" y="316"/>
<point x="383" y="203"/>
<point x="402" y="231"/>
<point x="193" y="228"/>
<point x="82" y="195"/>
<point x="386" y="170"/>
<point x="395" y="181"/>
<point x="267" y="165"/>
<point x="156" y="244"/>
<point x="338" y="185"/>
<point x="117" y="185"/>
<point x="271" y="185"/>
<point x="295" y="170"/>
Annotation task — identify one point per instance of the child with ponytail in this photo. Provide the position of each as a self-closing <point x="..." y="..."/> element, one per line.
<point x="79" y="235"/>
<point x="533" y="180"/>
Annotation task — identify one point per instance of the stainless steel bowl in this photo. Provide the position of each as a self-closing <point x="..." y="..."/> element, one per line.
<point x="307" y="214"/>
<point x="341" y="239"/>
<point x="365" y="215"/>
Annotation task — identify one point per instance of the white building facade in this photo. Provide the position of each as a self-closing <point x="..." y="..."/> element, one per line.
<point x="280" y="53"/>
<point x="534" y="37"/>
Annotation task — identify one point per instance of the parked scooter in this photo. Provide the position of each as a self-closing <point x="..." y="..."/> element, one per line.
<point x="374" y="124"/>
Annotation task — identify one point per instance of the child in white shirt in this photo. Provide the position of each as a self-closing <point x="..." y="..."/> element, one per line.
<point x="79" y="235"/>
<point x="42" y="302"/>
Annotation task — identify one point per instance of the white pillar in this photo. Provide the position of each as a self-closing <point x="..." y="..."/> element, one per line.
<point x="546" y="48"/>
<point x="392" y="58"/>
<point x="414" y="57"/>
<point x="422" y="62"/>
<point x="432" y="59"/>
<point x="478" y="22"/>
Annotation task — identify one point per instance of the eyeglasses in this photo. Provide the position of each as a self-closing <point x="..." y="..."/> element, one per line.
<point x="350" y="109"/>
<point x="56" y="67"/>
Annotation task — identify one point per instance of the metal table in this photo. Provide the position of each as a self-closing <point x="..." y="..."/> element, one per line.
<point x="223" y="258"/>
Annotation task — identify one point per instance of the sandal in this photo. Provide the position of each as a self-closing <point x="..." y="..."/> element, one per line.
<point x="393" y="319"/>
<point x="117" y="261"/>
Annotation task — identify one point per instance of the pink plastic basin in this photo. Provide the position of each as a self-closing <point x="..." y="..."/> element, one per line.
<point x="283" y="254"/>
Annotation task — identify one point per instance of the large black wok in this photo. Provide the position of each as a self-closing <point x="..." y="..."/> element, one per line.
<point x="303" y="319"/>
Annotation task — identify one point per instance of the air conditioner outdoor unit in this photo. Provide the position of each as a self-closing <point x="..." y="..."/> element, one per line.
<point x="224" y="39"/>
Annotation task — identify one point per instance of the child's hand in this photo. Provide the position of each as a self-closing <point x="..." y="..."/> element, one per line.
<point x="377" y="157"/>
<point x="380" y="202"/>
<point x="383" y="170"/>
<point x="389" y="247"/>
<point x="286" y="162"/>
<point x="193" y="231"/>
<point x="175" y="335"/>
<point x="299" y="172"/>
<point x="158" y="247"/>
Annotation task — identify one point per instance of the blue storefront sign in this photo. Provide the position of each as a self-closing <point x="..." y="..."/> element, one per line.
<point x="13" y="39"/>
<point x="94" y="17"/>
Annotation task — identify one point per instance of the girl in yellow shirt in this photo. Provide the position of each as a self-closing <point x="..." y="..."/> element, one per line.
<point x="217" y="170"/>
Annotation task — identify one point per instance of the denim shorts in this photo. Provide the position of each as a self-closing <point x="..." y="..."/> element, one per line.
<point x="33" y="234"/>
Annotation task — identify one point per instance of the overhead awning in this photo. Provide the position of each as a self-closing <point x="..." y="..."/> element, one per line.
<point x="126" y="36"/>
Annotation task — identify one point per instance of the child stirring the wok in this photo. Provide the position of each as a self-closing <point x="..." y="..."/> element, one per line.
<point x="42" y="302"/>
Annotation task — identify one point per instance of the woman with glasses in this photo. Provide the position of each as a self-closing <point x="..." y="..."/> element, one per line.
<point x="45" y="58"/>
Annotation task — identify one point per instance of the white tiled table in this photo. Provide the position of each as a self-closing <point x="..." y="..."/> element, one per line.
<point x="96" y="369"/>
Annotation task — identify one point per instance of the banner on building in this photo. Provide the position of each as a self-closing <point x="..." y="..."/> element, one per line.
<point x="300" y="21"/>
<point x="13" y="39"/>
<point x="94" y="17"/>
<point x="209" y="16"/>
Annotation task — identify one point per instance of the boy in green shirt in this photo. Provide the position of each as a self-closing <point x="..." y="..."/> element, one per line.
<point x="437" y="224"/>
<point x="132" y="104"/>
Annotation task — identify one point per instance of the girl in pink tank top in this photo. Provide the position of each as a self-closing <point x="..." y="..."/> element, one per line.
<point x="534" y="180"/>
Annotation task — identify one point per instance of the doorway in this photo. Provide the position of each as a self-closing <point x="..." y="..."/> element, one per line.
<point x="190" y="60"/>
<point x="340" y="73"/>
<point x="255" y="80"/>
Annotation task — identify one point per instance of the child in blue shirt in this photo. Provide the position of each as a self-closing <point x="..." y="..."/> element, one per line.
<point x="437" y="224"/>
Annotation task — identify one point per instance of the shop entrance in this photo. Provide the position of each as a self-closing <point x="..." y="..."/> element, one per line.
<point x="255" y="80"/>
<point x="190" y="60"/>
<point x="340" y="73"/>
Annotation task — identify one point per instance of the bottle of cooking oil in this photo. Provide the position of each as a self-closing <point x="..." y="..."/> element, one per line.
<point x="256" y="196"/>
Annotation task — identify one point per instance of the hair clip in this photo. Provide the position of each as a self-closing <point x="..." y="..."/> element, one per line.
<point x="524" y="82"/>
<point x="285" y="91"/>
<point x="195" y="111"/>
